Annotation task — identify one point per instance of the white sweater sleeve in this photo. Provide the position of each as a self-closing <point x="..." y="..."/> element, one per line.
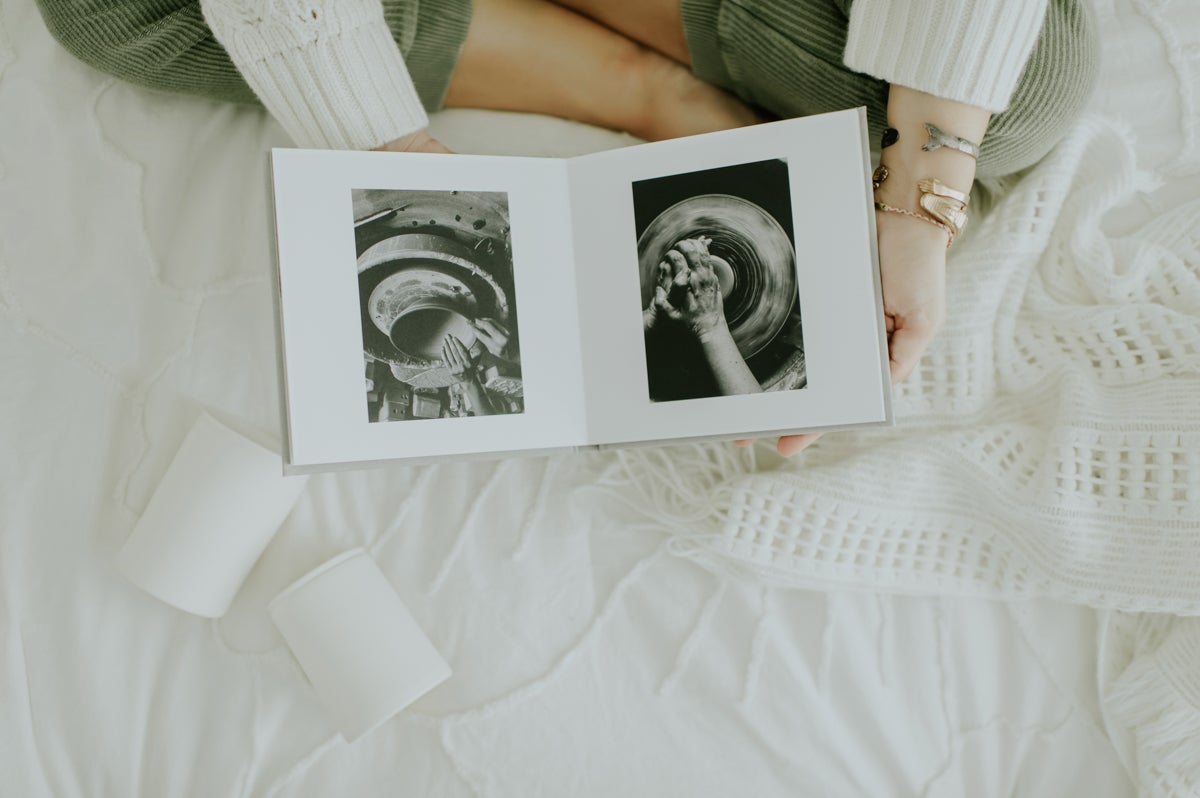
<point x="327" y="70"/>
<point x="972" y="51"/>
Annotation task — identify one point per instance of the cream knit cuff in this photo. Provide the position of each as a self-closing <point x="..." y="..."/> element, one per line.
<point x="327" y="70"/>
<point x="972" y="52"/>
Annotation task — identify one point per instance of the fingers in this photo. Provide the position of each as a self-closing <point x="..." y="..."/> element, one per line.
<point x="695" y="253"/>
<point x="664" y="306"/>
<point x="702" y="280"/>
<point x="788" y="445"/>
<point x="489" y="339"/>
<point x="908" y="343"/>
<point x="665" y="274"/>
<point x="455" y="354"/>
<point x="678" y="263"/>
<point x="419" y="141"/>
<point x="448" y="354"/>
<point x="792" y="444"/>
<point x="491" y="327"/>
<point x="458" y="348"/>
<point x="486" y="338"/>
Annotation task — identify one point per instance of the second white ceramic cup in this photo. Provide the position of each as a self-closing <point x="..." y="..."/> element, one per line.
<point x="357" y="642"/>
<point x="213" y="513"/>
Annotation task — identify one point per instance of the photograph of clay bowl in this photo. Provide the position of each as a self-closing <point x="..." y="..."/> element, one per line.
<point x="754" y="258"/>
<point x="431" y="265"/>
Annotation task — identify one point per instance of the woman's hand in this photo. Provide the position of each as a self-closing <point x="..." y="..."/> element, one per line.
<point x="912" y="253"/>
<point x="419" y="141"/>
<point x="912" y="268"/>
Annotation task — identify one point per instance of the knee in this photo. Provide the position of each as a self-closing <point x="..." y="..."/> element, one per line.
<point x="1050" y="95"/>
<point x="99" y="34"/>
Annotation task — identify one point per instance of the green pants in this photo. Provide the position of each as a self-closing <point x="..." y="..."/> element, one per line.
<point x="784" y="56"/>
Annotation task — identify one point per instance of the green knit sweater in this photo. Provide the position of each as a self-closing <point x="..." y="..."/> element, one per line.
<point x="160" y="44"/>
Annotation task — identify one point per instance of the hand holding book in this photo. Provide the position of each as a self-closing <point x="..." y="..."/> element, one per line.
<point x="417" y="141"/>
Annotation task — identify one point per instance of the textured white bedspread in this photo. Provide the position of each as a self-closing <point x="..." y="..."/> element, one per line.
<point x="589" y="658"/>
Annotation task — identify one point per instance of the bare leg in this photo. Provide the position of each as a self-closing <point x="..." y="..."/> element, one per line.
<point x="657" y="24"/>
<point x="535" y="56"/>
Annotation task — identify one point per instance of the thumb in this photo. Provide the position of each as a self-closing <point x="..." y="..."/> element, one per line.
<point x="907" y="345"/>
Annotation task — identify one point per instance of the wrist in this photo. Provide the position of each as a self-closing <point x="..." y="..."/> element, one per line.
<point x="908" y="113"/>
<point x="715" y="334"/>
<point x="913" y="231"/>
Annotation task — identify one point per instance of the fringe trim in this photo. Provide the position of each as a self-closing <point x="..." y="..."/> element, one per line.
<point x="686" y="489"/>
<point x="1158" y="699"/>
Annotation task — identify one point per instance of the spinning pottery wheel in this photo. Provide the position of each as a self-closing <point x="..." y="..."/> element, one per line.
<point x="429" y="264"/>
<point x="760" y="256"/>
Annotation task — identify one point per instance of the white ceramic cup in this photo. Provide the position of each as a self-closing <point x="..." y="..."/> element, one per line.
<point x="221" y="501"/>
<point x="356" y="641"/>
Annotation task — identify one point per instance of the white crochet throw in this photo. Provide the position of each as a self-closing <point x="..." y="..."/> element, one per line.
<point x="1049" y="443"/>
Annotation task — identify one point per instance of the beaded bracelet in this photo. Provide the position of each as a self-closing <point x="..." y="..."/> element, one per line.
<point x="924" y="218"/>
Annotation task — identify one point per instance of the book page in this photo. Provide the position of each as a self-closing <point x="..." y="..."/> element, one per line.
<point x="427" y="306"/>
<point x="728" y="284"/>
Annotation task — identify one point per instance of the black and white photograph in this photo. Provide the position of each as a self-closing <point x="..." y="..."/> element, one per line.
<point x="717" y="266"/>
<point x="438" y="304"/>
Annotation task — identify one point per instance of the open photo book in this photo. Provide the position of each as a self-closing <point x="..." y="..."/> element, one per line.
<point x="718" y="286"/>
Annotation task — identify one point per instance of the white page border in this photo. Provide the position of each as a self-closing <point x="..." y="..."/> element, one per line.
<point x="318" y="304"/>
<point x="837" y="276"/>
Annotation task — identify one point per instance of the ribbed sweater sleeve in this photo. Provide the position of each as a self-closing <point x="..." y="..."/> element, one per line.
<point x="327" y="70"/>
<point x="971" y="51"/>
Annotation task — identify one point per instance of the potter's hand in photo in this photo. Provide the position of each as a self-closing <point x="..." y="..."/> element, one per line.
<point x="694" y="295"/>
<point x="464" y="369"/>
<point x="658" y="308"/>
<point x="459" y="360"/>
<point x="695" y="301"/>
<point x="495" y="338"/>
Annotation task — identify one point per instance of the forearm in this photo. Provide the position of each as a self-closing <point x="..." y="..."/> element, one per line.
<point x="728" y="367"/>
<point x="908" y="112"/>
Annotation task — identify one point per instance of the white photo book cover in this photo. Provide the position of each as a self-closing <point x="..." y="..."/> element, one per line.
<point x="717" y="286"/>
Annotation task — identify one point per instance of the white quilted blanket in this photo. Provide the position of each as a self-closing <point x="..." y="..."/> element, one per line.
<point x="590" y="657"/>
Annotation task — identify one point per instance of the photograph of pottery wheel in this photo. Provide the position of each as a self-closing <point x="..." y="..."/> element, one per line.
<point x="744" y="212"/>
<point x="430" y="265"/>
<point x="756" y="263"/>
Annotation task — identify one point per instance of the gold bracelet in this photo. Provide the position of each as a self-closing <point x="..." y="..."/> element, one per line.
<point x="944" y="203"/>
<point x="944" y="207"/>
<point x="880" y="206"/>
<point x="931" y="185"/>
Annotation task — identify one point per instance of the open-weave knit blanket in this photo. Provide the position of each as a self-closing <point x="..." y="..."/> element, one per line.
<point x="1048" y="445"/>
